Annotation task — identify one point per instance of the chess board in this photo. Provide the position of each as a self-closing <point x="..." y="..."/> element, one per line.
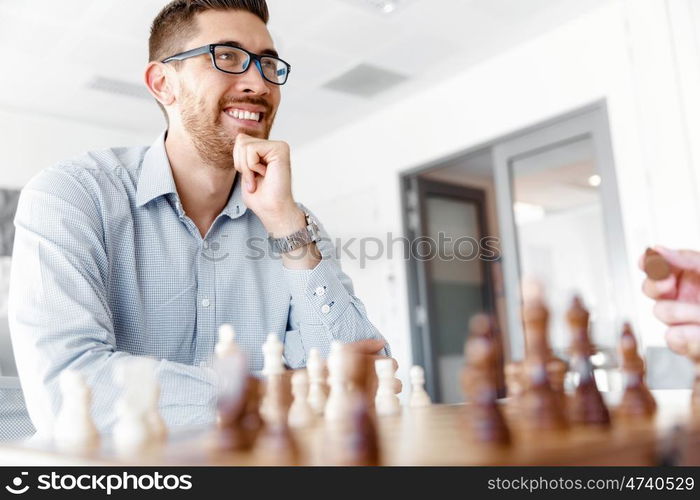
<point x="437" y="436"/>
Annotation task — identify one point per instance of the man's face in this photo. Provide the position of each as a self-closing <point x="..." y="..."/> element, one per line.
<point x="206" y="98"/>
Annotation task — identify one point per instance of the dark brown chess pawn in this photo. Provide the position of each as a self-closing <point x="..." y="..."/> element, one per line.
<point x="485" y="325"/>
<point x="251" y="422"/>
<point x="276" y="442"/>
<point x="515" y="382"/>
<point x="536" y="320"/>
<point x="586" y="406"/>
<point x="238" y="420"/>
<point x="637" y="400"/>
<point x="480" y="384"/>
<point x="542" y="406"/>
<point x="352" y="440"/>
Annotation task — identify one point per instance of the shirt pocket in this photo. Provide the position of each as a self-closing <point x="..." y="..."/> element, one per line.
<point x="171" y="332"/>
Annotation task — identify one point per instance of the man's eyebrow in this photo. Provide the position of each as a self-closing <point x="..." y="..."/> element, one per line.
<point x="266" y="52"/>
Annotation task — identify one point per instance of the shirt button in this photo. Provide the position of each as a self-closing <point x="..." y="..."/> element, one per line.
<point x="206" y="303"/>
<point x="325" y="309"/>
<point x="206" y="245"/>
<point x="320" y="291"/>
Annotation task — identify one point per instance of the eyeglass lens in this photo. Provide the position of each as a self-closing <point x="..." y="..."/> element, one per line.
<point x="233" y="60"/>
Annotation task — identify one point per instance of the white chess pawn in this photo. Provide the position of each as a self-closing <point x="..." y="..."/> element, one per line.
<point x="300" y="413"/>
<point x="226" y="344"/>
<point x="145" y="370"/>
<point x="131" y="432"/>
<point x="419" y="397"/>
<point x="139" y="423"/>
<point x="156" y="424"/>
<point x="317" y="386"/>
<point x="74" y="429"/>
<point x="273" y="369"/>
<point x="273" y="356"/>
<point x="386" y="402"/>
<point x="338" y="404"/>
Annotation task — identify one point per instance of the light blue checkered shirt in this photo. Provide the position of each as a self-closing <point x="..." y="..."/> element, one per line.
<point x="108" y="265"/>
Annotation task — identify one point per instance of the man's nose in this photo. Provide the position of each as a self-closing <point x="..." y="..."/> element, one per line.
<point x="252" y="80"/>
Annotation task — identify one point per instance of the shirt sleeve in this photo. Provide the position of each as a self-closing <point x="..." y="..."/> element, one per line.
<point x="59" y="310"/>
<point x="324" y="308"/>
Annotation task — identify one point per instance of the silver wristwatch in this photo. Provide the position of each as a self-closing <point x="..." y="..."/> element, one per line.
<point x="303" y="237"/>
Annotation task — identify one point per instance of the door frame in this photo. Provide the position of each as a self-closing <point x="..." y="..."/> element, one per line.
<point x="423" y="323"/>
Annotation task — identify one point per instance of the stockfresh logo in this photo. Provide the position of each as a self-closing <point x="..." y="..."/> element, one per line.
<point x="16" y="487"/>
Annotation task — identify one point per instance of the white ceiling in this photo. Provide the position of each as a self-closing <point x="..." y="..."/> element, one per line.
<point x="55" y="48"/>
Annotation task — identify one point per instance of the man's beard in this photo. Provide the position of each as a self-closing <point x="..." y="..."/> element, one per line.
<point x="213" y="142"/>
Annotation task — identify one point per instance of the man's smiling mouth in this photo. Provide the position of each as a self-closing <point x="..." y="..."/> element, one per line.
<point x="245" y="115"/>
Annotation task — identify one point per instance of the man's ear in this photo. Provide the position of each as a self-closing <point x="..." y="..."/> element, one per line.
<point x="158" y="82"/>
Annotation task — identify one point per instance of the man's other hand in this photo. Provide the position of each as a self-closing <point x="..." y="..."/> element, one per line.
<point x="369" y="350"/>
<point x="678" y="299"/>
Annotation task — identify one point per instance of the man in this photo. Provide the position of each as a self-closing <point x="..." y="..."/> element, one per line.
<point x="678" y="300"/>
<point x="147" y="251"/>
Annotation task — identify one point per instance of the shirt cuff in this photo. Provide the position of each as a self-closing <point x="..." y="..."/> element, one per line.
<point x="317" y="294"/>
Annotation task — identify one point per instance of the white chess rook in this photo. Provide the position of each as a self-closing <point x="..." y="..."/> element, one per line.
<point x="386" y="402"/>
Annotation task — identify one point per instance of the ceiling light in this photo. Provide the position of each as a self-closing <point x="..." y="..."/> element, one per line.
<point x="594" y="180"/>
<point x="382" y="7"/>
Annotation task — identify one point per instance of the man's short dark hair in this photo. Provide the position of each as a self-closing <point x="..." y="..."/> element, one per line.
<point x="176" y="23"/>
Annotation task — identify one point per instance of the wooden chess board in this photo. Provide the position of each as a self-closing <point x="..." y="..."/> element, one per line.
<point x="437" y="435"/>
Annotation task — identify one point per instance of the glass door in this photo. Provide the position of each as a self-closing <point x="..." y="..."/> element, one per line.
<point x="561" y="225"/>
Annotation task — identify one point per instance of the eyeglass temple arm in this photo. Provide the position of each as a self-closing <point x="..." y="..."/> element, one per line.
<point x="186" y="55"/>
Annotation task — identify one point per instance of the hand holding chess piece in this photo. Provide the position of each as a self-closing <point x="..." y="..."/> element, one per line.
<point x="673" y="281"/>
<point x="676" y="289"/>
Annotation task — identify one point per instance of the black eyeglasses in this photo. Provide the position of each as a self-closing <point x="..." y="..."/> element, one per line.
<point x="236" y="60"/>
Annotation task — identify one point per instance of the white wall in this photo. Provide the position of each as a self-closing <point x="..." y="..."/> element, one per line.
<point x="622" y="52"/>
<point x="32" y="142"/>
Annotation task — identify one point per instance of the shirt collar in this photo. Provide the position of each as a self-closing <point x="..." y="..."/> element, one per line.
<point x="156" y="179"/>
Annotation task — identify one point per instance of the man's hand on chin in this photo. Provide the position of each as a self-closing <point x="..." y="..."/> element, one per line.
<point x="265" y="169"/>
<point x="266" y="173"/>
